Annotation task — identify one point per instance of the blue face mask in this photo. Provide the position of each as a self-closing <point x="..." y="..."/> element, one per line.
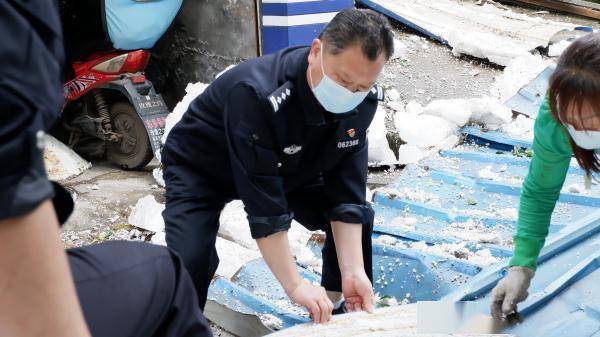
<point x="333" y="97"/>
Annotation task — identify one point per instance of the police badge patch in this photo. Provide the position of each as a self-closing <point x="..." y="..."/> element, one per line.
<point x="292" y="149"/>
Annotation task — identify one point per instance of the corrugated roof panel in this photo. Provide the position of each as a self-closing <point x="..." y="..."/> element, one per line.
<point x="444" y="230"/>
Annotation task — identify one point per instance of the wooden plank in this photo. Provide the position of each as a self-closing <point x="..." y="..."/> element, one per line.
<point x="583" y="3"/>
<point x="564" y="7"/>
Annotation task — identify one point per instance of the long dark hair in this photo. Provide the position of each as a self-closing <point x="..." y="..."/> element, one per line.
<point x="577" y="80"/>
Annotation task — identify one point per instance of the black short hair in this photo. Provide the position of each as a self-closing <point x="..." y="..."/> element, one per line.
<point x="363" y="26"/>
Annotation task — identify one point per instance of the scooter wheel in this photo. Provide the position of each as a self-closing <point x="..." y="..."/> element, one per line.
<point x="134" y="150"/>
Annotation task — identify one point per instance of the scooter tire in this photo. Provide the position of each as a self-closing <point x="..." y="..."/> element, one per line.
<point x="133" y="151"/>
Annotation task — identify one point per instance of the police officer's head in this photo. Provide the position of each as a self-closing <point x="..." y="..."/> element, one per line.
<point x="348" y="56"/>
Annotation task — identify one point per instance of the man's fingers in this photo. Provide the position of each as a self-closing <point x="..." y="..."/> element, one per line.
<point x="348" y="305"/>
<point x="351" y="305"/>
<point x="368" y="305"/>
<point x="315" y="312"/>
<point x="325" y="312"/>
<point x="367" y="301"/>
<point x="329" y="307"/>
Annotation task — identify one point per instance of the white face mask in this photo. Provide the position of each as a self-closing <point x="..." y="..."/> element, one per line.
<point x="334" y="97"/>
<point x="589" y="140"/>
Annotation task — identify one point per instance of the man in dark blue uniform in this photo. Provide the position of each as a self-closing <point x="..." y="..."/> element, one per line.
<point x="286" y="134"/>
<point x="113" y="289"/>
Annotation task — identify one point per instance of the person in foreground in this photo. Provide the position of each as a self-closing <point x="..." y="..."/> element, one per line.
<point x="286" y="134"/>
<point x="113" y="289"/>
<point x="568" y="123"/>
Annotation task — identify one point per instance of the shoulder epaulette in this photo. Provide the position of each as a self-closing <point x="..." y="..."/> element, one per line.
<point x="376" y="93"/>
<point x="281" y="96"/>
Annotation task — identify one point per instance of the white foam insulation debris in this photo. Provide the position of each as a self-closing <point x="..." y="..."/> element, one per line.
<point x="61" y="162"/>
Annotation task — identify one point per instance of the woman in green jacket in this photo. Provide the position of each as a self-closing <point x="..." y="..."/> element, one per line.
<point x="568" y="124"/>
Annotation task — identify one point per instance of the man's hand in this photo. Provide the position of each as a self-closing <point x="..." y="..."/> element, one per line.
<point x="276" y="251"/>
<point x="357" y="289"/>
<point x="358" y="292"/>
<point x="314" y="299"/>
<point x="511" y="290"/>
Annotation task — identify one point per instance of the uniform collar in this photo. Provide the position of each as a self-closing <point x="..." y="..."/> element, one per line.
<point x="313" y="111"/>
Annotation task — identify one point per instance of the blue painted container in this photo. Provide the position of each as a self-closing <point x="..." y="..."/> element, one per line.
<point x="287" y="23"/>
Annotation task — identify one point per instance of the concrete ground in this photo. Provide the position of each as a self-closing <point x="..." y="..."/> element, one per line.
<point x="105" y="194"/>
<point x="104" y="197"/>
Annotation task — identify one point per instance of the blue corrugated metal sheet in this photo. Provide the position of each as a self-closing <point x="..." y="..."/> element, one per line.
<point x="422" y="251"/>
<point x="529" y="98"/>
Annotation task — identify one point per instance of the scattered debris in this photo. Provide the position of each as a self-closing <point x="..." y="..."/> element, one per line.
<point x="558" y="48"/>
<point x="233" y="256"/>
<point x="410" y="154"/>
<point x="576" y="188"/>
<point x="474" y="231"/>
<point x="423" y="130"/>
<point x="386" y="301"/>
<point x="61" y="162"/>
<point x="520" y="128"/>
<point x="234" y="227"/>
<point x="147" y="215"/>
<point x="491" y="2"/>
<point x="379" y="148"/>
<point x="192" y="90"/>
<point x="400" y="51"/>
<point x="157" y="173"/>
<point x="404" y="222"/>
<point x="271" y="321"/>
<point x="442" y="120"/>
<point x="482" y="257"/>
<point x="517" y="74"/>
<point x="386" y="240"/>
<point x="488" y="173"/>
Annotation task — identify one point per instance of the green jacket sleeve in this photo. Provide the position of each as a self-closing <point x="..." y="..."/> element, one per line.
<point x="551" y="159"/>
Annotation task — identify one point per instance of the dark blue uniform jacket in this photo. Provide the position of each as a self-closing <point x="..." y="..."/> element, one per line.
<point x="258" y="132"/>
<point x="31" y="59"/>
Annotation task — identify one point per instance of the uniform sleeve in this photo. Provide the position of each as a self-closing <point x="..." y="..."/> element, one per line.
<point x="31" y="60"/>
<point x="254" y="162"/>
<point x="541" y="188"/>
